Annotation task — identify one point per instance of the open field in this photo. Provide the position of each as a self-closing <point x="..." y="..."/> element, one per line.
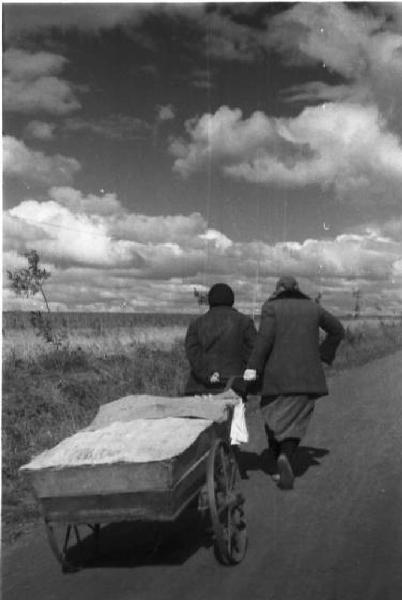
<point x="49" y="392"/>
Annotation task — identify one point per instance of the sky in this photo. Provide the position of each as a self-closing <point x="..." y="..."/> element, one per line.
<point x="150" y="149"/>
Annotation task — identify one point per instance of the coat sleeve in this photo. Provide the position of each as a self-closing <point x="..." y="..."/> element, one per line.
<point x="249" y="336"/>
<point x="335" y="333"/>
<point x="264" y="339"/>
<point x="195" y="354"/>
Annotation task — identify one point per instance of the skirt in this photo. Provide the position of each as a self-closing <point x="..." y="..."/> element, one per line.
<point x="288" y="416"/>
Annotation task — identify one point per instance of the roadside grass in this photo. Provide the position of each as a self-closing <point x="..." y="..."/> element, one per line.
<point x="366" y="341"/>
<point x="50" y="393"/>
<point x="25" y="345"/>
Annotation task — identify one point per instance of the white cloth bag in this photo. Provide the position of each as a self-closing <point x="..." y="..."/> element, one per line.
<point x="238" y="427"/>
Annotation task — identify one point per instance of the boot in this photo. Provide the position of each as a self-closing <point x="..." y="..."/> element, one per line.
<point x="287" y="450"/>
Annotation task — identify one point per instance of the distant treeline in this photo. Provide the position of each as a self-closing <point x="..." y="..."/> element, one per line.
<point x="96" y="321"/>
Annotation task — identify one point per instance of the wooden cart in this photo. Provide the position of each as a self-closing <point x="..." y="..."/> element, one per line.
<point x="96" y="495"/>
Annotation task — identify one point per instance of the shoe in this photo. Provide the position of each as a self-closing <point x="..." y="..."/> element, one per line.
<point x="286" y="475"/>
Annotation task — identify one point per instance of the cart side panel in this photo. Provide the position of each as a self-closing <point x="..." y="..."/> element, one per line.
<point x="120" y="478"/>
<point x="108" y="507"/>
<point x="161" y="505"/>
<point x="100" y="479"/>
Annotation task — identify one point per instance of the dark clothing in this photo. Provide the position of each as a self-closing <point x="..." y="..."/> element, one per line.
<point x="288" y="416"/>
<point x="220" y="294"/>
<point x="287" y="353"/>
<point x="220" y="340"/>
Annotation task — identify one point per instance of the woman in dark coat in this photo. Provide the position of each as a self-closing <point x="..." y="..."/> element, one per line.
<point x="218" y="344"/>
<point x="288" y="357"/>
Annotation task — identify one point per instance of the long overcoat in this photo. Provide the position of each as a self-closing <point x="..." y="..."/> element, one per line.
<point x="220" y="340"/>
<point x="287" y="353"/>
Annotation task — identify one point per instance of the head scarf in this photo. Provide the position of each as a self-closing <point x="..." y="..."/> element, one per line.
<point x="220" y="294"/>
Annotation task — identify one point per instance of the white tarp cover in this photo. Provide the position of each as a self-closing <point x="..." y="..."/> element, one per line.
<point x="141" y="440"/>
<point x="211" y="407"/>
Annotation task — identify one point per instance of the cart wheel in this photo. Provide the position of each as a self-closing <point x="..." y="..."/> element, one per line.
<point x="225" y="505"/>
<point x="71" y="538"/>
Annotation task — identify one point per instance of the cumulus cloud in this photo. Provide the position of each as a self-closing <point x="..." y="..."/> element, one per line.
<point x="216" y="29"/>
<point x="387" y="231"/>
<point x="19" y="161"/>
<point x="223" y="136"/>
<point x="229" y="40"/>
<point x="94" y="243"/>
<point x="159" y="229"/>
<point x="40" y="130"/>
<point x="72" y="228"/>
<point x="22" y="65"/>
<point x="33" y="18"/>
<point x="114" y="127"/>
<point x="75" y="201"/>
<point x="65" y="237"/>
<point x="341" y="145"/>
<point x="363" y="46"/>
<point x="165" y="112"/>
<point x="31" y="84"/>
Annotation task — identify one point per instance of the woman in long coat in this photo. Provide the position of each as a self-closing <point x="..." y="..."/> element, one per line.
<point x="287" y="358"/>
<point x="218" y="344"/>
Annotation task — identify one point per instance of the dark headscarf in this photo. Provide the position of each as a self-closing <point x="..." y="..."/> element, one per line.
<point x="220" y="294"/>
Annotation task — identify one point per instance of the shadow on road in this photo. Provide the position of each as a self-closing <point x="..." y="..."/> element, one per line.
<point x="305" y="458"/>
<point x="130" y="544"/>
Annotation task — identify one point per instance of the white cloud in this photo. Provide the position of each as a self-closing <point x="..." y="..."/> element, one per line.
<point x="219" y="137"/>
<point x="69" y="238"/>
<point x="159" y="229"/>
<point x="103" y="253"/>
<point x="31" y="18"/>
<point x="229" y="40"/>
<point x="166" y="112"/>
<point x="392" y="228"/>
<point x="22" y="65"/>
<point x="363" y="46"/>
<point x="76" y="202"/>
<point x="217" y="238"/>
<point x="40" y="130"/>
<point x="226" y="38"/>
<point x="30" y="83"/>
<point x="95" y="230"/>
<point x="114" y="127"/>
<point x="30" y="165"/>
<point x="342" y="145"/>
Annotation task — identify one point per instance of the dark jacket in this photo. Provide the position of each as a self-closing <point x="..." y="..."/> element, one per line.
<point x="220" y="340"/>
<point x="287" y="352"/>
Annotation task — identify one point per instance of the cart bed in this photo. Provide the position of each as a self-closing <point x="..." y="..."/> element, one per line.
<point x="156" y="490"/>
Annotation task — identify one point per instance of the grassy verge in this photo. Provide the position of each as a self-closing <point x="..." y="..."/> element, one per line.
<point x="49" y="394"/>
<point x="58" y="392"/>
<point x="366" y="342"/>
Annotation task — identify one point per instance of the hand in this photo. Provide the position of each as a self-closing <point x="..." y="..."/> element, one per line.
<point x="215" y="377"/>
<point x="250" y="375"/>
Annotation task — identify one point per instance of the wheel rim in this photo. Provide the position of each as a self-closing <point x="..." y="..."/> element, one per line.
<point x="226" y="507"/>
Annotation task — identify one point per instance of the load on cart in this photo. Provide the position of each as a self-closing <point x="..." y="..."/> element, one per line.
<point x="144" y="458"/>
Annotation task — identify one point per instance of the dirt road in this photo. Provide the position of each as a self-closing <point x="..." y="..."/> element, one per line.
<point x="336" y="536"/>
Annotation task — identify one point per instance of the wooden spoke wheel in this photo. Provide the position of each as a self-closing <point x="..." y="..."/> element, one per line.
<point x="225" y="505"/>
<point x="62" y="542"/>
